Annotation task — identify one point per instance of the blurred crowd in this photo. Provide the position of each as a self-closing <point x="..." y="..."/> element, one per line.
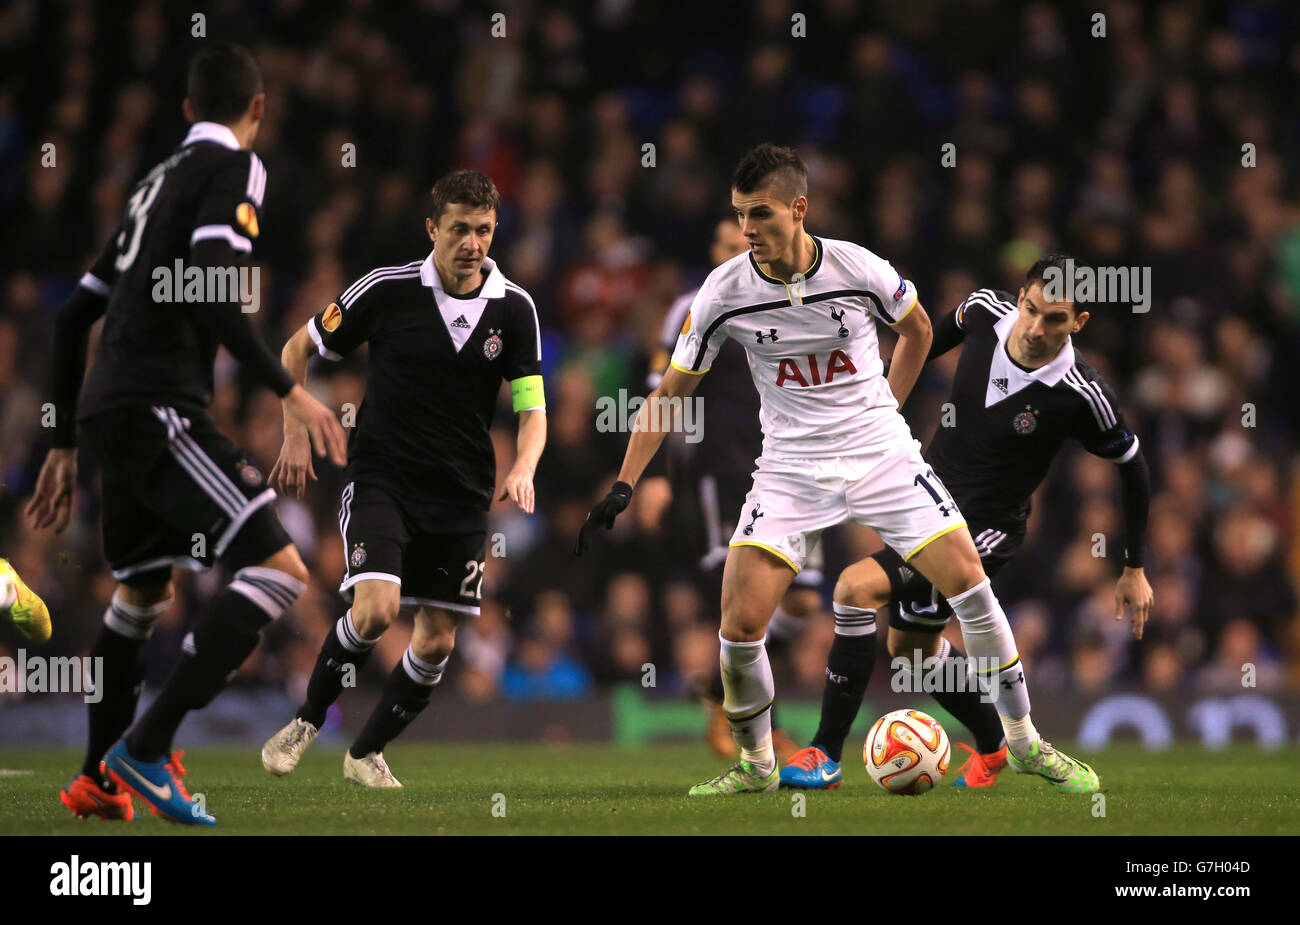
<point x="1166" y="143"/>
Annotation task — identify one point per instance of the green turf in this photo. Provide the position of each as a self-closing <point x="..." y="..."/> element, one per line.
<point x="607" y="789"/>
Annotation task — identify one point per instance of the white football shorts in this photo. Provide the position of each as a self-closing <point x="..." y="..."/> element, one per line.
<point x="896" y="493"/>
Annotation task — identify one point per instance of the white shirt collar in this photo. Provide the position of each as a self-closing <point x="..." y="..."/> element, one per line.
<point x="1049" y="374"/>
<point x="494" y="287"/>
<point x="211" y="131"/>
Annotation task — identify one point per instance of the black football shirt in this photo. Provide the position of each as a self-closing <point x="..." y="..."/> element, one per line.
<point x="1010" y="422"/>
<point x="158" y="351"/>
<point x="436" y="365"/>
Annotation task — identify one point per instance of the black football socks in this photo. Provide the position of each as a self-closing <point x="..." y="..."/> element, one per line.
<point x="120" y="645"/>
<point x="342" y="655"/>
<point x="227" y="633"/>
<point x="848" y="670"/>
<point x="406" y="693"/>
<point x="970" y="708"/>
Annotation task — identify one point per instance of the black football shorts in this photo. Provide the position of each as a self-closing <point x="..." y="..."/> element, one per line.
<point x="177" y="491"/>
<point x="913" y="604"/>
<point x="386" y="541"/>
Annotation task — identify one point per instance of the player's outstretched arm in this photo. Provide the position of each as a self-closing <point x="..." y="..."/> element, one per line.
<point x="237" y="334"/>
<point x="914" y="336"/>
<point x="530" y="442"/>
<point x="1133" y="590"/>
<point x="51" y="504"/>
<point x="323" y="428"/>
<point x="294" y="467"/>
<point x="651" y="425"/>
<point x="648" y="433"/>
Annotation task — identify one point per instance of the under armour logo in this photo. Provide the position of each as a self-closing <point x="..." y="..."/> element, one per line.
<point x="838" y="316"/>
<point x="760" y="335"/>
<point x="1001" y="384"/>
<point x="753" y="519"/>
<point x="1018" y="679"/>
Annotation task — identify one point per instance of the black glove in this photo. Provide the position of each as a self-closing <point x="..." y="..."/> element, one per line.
<point x="603" y="514"/>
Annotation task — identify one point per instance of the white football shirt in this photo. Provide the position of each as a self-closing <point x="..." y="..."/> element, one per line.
<point x="812" y="348"/>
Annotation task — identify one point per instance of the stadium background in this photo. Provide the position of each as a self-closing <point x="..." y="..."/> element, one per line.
<point x="1123" y="150"/>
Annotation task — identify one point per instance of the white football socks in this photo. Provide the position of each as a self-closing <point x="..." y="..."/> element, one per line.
<point x="748" y="691"/>
<point x="988" y="639"/>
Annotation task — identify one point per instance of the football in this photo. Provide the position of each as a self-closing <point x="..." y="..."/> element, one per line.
<point x="906" y="752"/>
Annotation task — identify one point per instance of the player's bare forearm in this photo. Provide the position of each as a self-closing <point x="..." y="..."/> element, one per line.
<point x="914" y="336"/>
<point x="531" y="439"/>
<point x="652" y="423"/>
<point x="641" y="448"/>
<point x="308" y="424"/>
<point x="297" y="351"/>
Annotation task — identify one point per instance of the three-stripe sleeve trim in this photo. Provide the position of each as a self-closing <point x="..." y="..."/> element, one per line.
<point x="255" y="189"/>
<point x="374" y="276"/>
<point x="1102" y="412"/>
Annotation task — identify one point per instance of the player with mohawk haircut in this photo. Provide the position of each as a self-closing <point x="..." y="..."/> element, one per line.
<point x="835" y="448"/>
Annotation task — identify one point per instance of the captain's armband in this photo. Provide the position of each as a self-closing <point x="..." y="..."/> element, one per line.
<point x="528" y="393"/>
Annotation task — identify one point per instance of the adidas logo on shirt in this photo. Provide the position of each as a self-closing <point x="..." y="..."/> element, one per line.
<point x="460" y="322"/>
<point x="1001" y="384"/>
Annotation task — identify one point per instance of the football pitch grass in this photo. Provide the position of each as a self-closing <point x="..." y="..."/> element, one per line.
<point x="605" y="789"/>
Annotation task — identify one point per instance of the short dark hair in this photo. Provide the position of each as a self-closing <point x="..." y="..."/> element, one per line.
<point x="1038" y="272"/>
<point x="223" y="80"/>
<point x="468" y="187"/>
<point x="757" y="167"/>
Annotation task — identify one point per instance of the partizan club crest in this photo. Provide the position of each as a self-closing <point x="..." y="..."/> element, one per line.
<point x="358" y="555"/>
<point x="492" y="346"/>
<point x="1025" y="422"/>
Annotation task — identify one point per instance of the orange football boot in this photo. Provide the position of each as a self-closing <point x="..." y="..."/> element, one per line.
<point x="86" y="797"/>
<point x="980" y="770"/>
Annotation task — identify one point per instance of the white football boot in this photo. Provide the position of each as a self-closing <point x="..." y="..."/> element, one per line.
<point x="281" y="752"/>
<point x="370" y="771"/>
